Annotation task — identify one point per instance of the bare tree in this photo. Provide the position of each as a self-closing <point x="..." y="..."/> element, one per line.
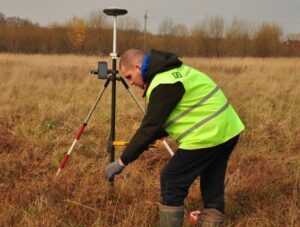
<point x="77" y="33"/>
<point x="216" y="32"/>
<point x="166" y="27"/>
<point x="97" y="19"/>
<point x="201" y="38"/>
<point x="180" y="30"/>
<point x="237" y="38"/>
<point x="2" y="18"/>
<point x="129" y="23"/>
<point x="267" y="40"/>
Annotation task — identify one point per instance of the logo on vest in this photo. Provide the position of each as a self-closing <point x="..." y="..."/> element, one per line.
<point x="177" y="75"/>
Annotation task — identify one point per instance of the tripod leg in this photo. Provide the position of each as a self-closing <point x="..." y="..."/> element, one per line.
<point x="132" y="95"/>
<point x="165" y="143"/>
<point x="97" y="101"/>
<point x="81" y="130"/>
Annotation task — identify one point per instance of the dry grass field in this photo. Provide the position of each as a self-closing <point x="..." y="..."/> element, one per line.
<point x="44" y="100"/>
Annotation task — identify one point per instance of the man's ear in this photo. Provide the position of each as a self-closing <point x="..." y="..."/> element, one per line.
<point x="138" y="67"/>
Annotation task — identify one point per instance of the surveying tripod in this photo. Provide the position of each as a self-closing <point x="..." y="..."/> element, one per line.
<point x="111" y="76"/>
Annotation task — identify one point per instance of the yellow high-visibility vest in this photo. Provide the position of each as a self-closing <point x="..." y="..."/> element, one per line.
<point x="203" y="117"/>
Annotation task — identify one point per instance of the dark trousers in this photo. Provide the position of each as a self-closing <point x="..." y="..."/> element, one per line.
<point x="186" y="165"/>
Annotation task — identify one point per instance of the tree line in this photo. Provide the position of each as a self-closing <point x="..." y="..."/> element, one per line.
<point x="93" y="35"/>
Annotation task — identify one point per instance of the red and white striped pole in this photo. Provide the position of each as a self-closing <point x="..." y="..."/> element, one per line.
<point x="67" y="155"/>
<point x="81" y="129"/>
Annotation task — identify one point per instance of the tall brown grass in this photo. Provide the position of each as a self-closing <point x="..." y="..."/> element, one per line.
<point x="44" y="99"/>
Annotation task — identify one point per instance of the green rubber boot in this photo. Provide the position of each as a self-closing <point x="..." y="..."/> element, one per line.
<point x="211" y="218"/>
<point x="170" y="216"/>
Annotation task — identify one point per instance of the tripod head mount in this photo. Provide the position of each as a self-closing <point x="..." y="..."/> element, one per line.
<point x="103" y="72"/>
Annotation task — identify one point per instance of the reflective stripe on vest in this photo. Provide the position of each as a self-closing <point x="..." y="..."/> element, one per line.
<point x="198" y="104"/>
<point x="202" y="122"/>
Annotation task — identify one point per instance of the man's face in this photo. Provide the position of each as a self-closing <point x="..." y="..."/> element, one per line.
<point x="133" y="75"/>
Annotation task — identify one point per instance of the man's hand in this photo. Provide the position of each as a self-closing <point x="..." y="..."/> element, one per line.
<point x="113" y="169"/>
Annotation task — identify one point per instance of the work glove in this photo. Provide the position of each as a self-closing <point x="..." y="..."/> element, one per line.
<point x="113" y="169"/>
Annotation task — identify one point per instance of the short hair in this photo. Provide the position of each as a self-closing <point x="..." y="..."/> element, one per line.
<point x="131" y="57"/>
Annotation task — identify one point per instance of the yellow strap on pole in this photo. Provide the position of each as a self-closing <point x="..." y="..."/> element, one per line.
<point x="120" y="143"/>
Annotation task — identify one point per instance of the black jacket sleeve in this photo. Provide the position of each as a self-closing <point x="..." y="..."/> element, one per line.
<point x="162" y="101"/>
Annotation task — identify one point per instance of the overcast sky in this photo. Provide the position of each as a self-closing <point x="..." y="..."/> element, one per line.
<point x="286" y="13"/>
